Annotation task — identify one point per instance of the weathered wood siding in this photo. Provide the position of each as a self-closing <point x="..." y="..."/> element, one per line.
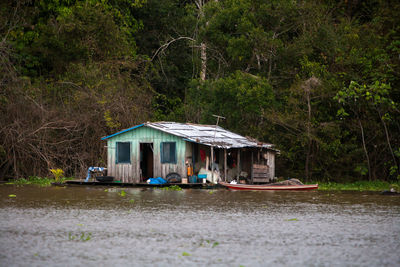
<point x="130" y="173"/>
<point x="271" y="163"/>
<point x="261" y="173"/>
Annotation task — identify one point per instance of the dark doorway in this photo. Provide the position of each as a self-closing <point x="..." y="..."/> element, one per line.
<point x="146" y="161"/>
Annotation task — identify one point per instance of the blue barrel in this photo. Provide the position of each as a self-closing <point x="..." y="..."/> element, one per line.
<point x="193" y="179"/>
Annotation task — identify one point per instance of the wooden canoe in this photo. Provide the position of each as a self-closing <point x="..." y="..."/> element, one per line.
<point x="269" y="187"/>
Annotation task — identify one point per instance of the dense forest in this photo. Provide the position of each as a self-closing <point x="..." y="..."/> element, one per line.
<point x="319" y="79"/>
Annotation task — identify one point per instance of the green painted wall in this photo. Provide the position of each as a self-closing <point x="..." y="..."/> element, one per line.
<point x="131" y="172"/>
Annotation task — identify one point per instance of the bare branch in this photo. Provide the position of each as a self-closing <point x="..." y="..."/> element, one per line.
<point x="165" y="46"/>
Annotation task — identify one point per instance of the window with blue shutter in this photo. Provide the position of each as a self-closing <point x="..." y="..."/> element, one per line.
<point x="123" y="152"/>
<point x="168" y="152"/>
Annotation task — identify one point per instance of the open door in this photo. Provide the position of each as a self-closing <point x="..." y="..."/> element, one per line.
<point x="146" y="161"/>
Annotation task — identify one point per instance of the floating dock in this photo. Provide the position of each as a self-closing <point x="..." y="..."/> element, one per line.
<point x="139" y="185"/>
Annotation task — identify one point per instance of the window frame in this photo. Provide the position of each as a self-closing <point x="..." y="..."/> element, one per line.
<point x="117" y="161"/>
<point x="172" y="159"/>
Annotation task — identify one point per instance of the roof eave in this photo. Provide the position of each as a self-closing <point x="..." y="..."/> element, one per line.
<point x="123" y="131"/>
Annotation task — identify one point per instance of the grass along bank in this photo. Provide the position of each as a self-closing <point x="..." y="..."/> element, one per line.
<point x="359" y="186"/>
<point x="58" y="177"/>
<point x="35" y="180"/>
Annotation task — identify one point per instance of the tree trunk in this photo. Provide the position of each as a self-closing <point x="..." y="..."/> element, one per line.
<point x="307" y="88"/>
<point x="365" y="150"/>
<point x="388" y="139"/>
<point x="203" y="47"/>
<point x="308" y="126"/>
<point x="203" y="56"/>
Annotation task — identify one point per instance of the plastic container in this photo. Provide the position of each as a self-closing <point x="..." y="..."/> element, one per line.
<point x="193" y="179"/>
<point x="202" y="176"/>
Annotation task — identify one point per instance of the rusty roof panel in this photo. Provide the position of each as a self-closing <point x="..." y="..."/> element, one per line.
<point x="210" y="135"/>
<point x="206" y="134"/>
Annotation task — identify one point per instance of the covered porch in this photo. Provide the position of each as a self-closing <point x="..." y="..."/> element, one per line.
<point x="250" y="165"/>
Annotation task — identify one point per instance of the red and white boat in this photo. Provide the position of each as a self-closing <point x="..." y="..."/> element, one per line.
<point x="262" y="187"/>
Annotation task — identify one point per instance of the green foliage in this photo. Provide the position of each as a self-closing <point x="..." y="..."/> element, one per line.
<point x="73" y="31"/>
<point x="80" y="237"/>
<point x="74" y="67"/>
<point x="396" y="187"/>
<point x="172" y="187"/>
<point x="110" y="121"/>
<point x="242" y="98"/>
<point x="376" y="94"/>
<point x="249" y="35"/>
<point x="319" y="79"/>
<point x="358" y="186"/>
<point x="58" y="174"/>
<point x="363" y="104"/>
<point x="209" y="243"/>
<point x="361" y="169"/>
<point x="215" y="244"/>
<point x="34" y="180"/>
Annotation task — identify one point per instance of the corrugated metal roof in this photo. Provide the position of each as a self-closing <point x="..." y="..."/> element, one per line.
<point x="202" y="134"/>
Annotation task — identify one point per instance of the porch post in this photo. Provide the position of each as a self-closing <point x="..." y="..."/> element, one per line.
<point x="252" y="171"/>
<point x="212" y="162"/>
<point x="225" y="170"/>
<point x="238" y="164"/>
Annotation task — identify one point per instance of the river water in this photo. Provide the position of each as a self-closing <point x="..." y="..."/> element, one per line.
<point x="96" y="226"/>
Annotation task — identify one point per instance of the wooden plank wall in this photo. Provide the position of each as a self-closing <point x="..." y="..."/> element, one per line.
<point x="130" y="173"/>
<point x="261" y="173"/>
<point x="271" y="163"/>
<point x="264" y="168"/>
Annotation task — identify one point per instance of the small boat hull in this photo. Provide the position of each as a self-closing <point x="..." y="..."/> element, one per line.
<point x="264" y="187"/>
<point x="105" y="179"/>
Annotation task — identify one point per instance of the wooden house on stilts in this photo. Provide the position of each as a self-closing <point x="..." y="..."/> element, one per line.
<point x="156" y="149"/>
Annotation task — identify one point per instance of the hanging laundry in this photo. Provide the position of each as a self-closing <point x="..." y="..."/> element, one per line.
<point x="202" y="155"/>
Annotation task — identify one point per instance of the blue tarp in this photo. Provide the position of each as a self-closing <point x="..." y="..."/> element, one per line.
<point x="157" y="180"/>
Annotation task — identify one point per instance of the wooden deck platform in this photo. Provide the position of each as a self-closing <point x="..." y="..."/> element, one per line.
<point x="140" y="185"/>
